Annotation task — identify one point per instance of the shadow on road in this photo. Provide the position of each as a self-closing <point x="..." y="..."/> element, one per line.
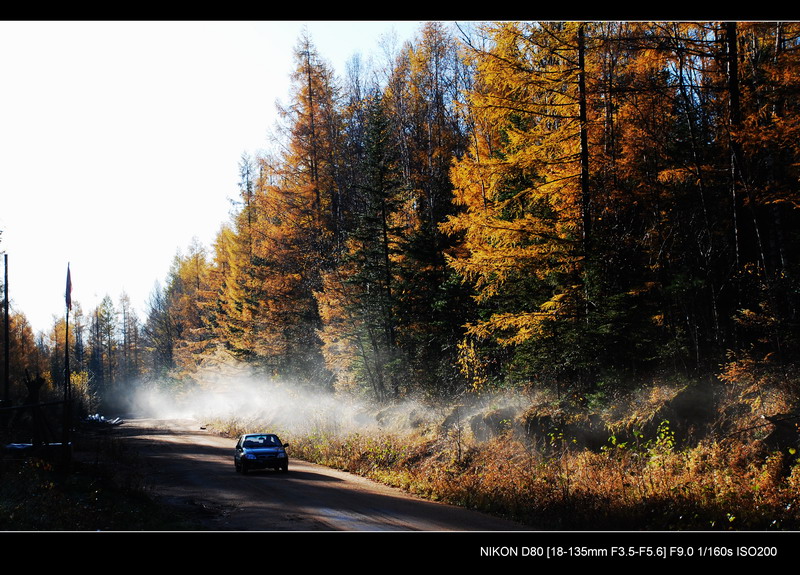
<point x="187" y="465"/>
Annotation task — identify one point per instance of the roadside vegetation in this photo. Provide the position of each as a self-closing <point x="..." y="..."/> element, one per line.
<point x="711" y="486"/>
<point x="670" y="458"/>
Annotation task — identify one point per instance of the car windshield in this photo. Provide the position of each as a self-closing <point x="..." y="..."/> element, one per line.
<point x="261" y="441"/>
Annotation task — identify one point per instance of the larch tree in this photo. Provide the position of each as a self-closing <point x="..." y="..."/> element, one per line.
<point x="289" y="230"/>
<point x="25" y="357"/>
<point x="186" y="294"/>
<point x="421" y="97"/>
<point x="524" y="186"/>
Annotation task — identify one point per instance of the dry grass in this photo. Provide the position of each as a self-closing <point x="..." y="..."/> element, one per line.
<point x="711" y="486"/>
<point x="649" y="473"/>
<point x="675" y="455"/>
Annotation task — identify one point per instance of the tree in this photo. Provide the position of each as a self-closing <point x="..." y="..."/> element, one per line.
<point x="358" y="299"/>
<point x="159" y="334"/>
<point x="421" y="98"/>
<point x="308" y="164"/>
<point x="524" y="186"/>
<point x="25" y="356"/>
<point x="285" y="233"/>
<point x="103" y="364"/>
<point x="187" y="294"/>
<point x="129" y="349"/>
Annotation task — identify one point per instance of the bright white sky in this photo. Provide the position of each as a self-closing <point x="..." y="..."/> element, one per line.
<point x="120" y="142"/>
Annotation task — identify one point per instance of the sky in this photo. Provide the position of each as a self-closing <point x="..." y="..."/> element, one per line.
<point x="120" y="142"/>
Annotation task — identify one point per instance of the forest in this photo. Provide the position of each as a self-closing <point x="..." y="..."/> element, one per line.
<point x="580" y="209"/>
<point x="581" y="205"/>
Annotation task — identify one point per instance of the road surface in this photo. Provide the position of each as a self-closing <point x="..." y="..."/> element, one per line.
<point x="193" y="469"/>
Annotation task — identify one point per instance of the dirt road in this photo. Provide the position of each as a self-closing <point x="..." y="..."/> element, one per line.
<point x="193" y="469"/>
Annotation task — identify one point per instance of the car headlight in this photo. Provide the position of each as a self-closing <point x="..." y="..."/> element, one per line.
<point x="249" y="456"/>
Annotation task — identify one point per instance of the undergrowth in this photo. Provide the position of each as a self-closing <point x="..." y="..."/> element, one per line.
<point x="721" y="471"/>
<point x="711" y="486"/>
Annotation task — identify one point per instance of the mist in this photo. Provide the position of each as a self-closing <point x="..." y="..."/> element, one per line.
<point x="235" y="394"/>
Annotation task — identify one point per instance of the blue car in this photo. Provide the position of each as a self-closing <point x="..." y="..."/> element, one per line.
<point x="260" y="451"/>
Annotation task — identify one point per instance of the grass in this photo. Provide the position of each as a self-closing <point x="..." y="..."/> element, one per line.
<point x="711" y="486"/>
<point x="648" y="471"/>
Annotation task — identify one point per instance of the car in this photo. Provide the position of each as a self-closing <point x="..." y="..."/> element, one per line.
<point x="260" y="451"/>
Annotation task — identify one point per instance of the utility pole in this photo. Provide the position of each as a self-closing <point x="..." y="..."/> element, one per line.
<point x="6" y="339"/>
<point x="68" y="300"/>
